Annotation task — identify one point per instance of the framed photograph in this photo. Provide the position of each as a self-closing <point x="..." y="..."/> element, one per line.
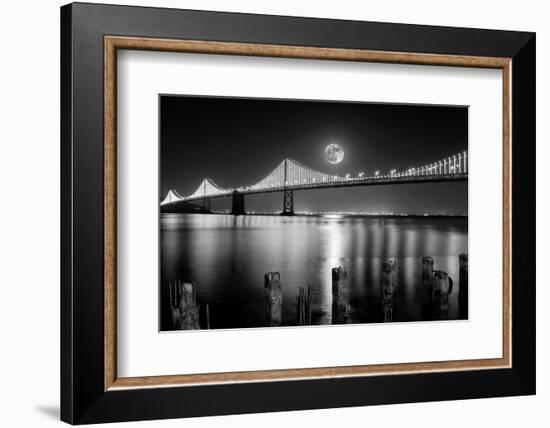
<point x="264" y="213"/>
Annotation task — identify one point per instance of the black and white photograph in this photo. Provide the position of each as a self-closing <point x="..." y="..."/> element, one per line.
<point x="244" y="214"/>
<point x="279" y="212"/>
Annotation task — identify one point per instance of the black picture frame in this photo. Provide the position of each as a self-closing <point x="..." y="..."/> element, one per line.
<point x="83" y="396"/>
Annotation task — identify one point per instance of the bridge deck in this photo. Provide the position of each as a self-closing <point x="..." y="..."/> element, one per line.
<point x="351" y="182"/>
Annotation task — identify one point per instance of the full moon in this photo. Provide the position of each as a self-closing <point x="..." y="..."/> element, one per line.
<point x="334" y="153"/>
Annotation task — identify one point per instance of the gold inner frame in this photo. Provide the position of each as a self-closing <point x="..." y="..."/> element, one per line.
<point x="113" y="43"/>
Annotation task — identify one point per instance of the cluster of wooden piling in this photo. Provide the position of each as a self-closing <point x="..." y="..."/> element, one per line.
<point x="437" y="286"/>
<point x="183" y="303"/>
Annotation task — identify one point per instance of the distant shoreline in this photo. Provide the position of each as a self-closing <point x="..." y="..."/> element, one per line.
<point x="339" y="215"/>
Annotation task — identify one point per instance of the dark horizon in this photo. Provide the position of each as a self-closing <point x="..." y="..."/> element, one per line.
<point x="238" y="141"/>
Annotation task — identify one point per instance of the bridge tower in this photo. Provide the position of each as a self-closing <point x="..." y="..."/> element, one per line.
<point x="288" y="195"/>
<point x="288" y="203"/>
<point x="206" y="204"/>
<point x="237" y="204"/>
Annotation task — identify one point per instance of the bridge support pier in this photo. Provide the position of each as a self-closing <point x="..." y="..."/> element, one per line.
<point x="237" y="204"/>
<point x="206" y="204"/>
<point x="288" y="203"/>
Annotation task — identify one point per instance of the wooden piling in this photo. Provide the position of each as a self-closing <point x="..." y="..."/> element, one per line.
<point x="303" y="309"/>
<point x="340" y="296"/>
<point x="173" y="294"/>
<point x="183" y="303"/>
<point x="273" y="299"/>
<point x="389" y="288"/>
<point x="207" y="317"/>
<point x="442" y="288"/>
<point x="463" y="285"/>
<point x="427" y="286"/>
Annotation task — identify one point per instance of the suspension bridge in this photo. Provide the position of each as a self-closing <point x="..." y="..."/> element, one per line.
<point x="290" y="176"/>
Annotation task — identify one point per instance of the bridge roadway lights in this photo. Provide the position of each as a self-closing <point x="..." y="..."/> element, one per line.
<point x="288" y="203"/>
<point x="237" y="204"/>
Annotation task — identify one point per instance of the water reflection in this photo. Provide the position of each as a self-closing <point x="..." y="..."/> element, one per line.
<point x="227" y="256"/>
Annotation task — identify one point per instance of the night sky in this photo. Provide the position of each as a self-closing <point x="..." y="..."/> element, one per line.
<point x="237" y="142"/>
